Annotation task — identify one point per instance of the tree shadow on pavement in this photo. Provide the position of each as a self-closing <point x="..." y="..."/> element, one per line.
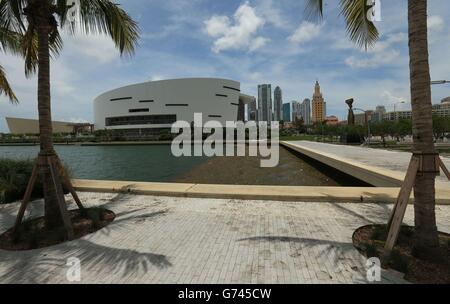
<point x="102" y="257"/>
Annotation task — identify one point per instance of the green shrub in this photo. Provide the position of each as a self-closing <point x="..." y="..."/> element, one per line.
<point x="14" y="177"/>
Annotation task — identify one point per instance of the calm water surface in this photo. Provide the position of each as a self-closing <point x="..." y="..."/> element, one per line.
<point x="151" y="163"/>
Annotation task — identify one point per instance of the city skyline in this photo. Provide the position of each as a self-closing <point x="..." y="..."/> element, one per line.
<point x="206" y="39"/>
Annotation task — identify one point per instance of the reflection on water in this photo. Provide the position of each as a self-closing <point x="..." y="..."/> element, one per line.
<point x="149" y="163"/>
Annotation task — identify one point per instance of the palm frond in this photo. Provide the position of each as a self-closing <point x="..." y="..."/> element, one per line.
<point x="106" y="17"/>
<point x="9" y="41"/>
<point x="30" y="50"/>
<point x="5" y="88"/>
<point x="360" y="29"/>
<point x="11" y="12"/>
<point x="314" y="10"/>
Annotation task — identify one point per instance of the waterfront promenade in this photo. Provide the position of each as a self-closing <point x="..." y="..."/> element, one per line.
<point x="191" y="240"/>
<point x="379" y="167"/>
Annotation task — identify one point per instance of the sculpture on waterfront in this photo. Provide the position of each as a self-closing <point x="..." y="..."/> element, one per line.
<point x="351" y="115"/>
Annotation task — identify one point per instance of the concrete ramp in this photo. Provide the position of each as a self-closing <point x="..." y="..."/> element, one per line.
<point x="378" y="167"/>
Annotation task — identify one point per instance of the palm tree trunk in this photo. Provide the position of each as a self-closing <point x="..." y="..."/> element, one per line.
<point x="426" y="236"/>
<point x="52" y="212"/>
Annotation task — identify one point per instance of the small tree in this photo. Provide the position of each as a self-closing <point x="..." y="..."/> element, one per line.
<point x="299" y="125"/>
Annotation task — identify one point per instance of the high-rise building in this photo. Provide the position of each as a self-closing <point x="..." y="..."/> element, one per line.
<point x="287" y="112"/>
<point x="296" y="110"/>
<point x="252" y="111"/>
<point x="305" y="111"/>
<point x="265" y="112"/>
<point x="319" y="107"/>
<point x="278" y="104"/>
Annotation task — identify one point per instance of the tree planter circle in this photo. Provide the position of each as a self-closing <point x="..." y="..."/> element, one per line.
<point x="32" y="233"/>
<point x="370" y="241"/>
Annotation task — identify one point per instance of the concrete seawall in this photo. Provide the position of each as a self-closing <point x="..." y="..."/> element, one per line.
<point x="275" y="193"/>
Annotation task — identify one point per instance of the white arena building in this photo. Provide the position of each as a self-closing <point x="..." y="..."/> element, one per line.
<point x="145" y="109"/>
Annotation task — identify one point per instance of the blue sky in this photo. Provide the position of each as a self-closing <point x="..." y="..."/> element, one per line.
<point x="255" y="41"/>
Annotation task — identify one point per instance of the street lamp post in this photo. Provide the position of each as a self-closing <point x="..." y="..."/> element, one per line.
<point x="440" y="82"/>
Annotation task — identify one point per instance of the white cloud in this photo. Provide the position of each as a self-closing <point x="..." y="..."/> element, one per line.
<point x="389" y="97"/>
<point x="217" y="25"/>
<point x="98" y="47"/>
<point x="380" y="58"/>
<point x="383" y="53"/>
<point x="257" y="43"/>
<point x="435" y="23"/>
<point x="241" y="34"/>
<point x="272" y="13"/>
<point x="305" y="32"/>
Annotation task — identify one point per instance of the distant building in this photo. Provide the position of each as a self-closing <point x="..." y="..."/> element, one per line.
<point x="331" y="120"/>
<point x="287" y="112"/>
<point x="442" y="109"/>
<point x="397" y="115"/>
<point x="378" y="114"/>
<point x="22" y="126"/>
<point x="265" y="102"/>
<point x="296" y="110"/>
<point x="305" y="111"/>
<point x="380" y="109"/>
<point x="252" y="111"/>
<point x="362" y="119"/>
<point x="278" y="104"/>
<point x="149" y="109"/>
<point x="319" y="107"/>
<point x="288" y="125"/>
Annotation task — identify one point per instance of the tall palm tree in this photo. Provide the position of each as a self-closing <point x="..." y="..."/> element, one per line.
<point x="364" y="33"/>
<point x="40" y="22"/>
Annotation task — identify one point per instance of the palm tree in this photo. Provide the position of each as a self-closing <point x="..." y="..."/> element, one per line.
<point x="40" y="22"/>
<point x="9" y="42"/>
<point x="364" y="33"/>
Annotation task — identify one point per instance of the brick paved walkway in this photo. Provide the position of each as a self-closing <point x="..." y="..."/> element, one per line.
<point x="186" y="240"/>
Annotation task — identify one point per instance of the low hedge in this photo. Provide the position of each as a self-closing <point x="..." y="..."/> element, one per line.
<point x="14" y="177"/>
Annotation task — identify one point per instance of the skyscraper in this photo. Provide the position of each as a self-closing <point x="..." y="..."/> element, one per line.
<point x="252" y="111"/>
<point x="265" y="102"/>
<point x="319" y="107"/>
<point x="278" y="104"/>
<point x="287" y="111"/>
<point x="305" y="111"/>
<point x="296" y="110"/>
